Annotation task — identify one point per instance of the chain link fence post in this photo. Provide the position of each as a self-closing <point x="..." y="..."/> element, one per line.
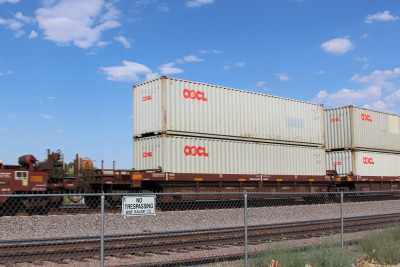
<point x="341" y="222"/>
<point x="245" y="231"/>
<point x="102" y="232"/>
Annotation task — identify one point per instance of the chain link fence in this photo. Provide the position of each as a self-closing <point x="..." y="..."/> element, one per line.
<point x="180" y="229"/>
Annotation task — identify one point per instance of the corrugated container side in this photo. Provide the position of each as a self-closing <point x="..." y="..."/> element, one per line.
<point x="363" y="163"/>
<point x="194" y="108"/>
<point x="147" y="107"/>
<point x="205" y="155"/>
<point x="359" y="128"/>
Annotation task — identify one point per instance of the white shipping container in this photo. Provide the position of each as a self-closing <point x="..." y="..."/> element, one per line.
<point x="360" y="128"/>
<point x="363" y="163"/>
<point x="168" y="105"/>
<point x="204" y="155"/>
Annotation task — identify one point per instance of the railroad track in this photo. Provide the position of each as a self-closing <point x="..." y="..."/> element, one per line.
<point x="56" y="250"/>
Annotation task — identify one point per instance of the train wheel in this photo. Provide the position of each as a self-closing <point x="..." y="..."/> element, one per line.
<point x="92" y="202"/>
<point x="36" y="205"/>
<point x="111" y="202"/>
<point x="10" y="207"/>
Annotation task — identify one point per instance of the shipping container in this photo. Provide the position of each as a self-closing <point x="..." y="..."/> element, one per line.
<point x="168" y="105"/>
<point x="363" y="163"/>
<point x="359" y="128"/>
<point x="205" y="155"/>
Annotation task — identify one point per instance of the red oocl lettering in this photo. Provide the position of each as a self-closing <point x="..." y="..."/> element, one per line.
<point x="335" y="119"/>
<point x="147" y="154"/>
<point x="365" y="117"/>
<point x="337" y="163"/>
<point x="195" y="151"/>
<point x="192" y="94"/>
<point x="368" y="160"/>
<point x="146" y="98"/>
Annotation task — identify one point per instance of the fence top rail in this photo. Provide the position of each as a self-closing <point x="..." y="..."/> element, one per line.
<point x="204" y="193"/>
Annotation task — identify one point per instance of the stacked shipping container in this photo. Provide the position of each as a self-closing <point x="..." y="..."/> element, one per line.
<point x="362" y="142"/>
<point x="223" y="130"/>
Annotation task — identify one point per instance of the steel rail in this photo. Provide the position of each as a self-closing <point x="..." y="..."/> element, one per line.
<point x="78" y="248"/>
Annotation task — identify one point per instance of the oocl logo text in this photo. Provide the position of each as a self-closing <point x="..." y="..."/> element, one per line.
<point x="192" y="94"/>
<point x="368" y="160"/>
<point x="146" y="98"/>
<point x="335" y="119"/>
<point x="147" y="154"/>
<point x="365" y="117"/>
<point x="195" y="151"/>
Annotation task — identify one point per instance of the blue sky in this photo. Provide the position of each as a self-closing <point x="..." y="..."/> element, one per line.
<point x="67" y="66"/>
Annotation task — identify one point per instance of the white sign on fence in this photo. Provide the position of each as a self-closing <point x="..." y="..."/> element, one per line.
<point x="138" y="205"/>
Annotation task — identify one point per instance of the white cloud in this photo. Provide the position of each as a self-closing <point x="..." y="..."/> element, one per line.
<point x="51" y="97"/>
<point x="129" y="72"/>
<point x="319" y="72"/>
<point x="9" y="1"/>
<point x="23" y="18"/>
<point x="260" y="83"/>
<point x="7" y="73"/>
<point x="78" y="21"/>
<point x="345" y="96"/>
<point x="163" y="8"/>
<point x="337" y="45"/>
<point x="11" y="116"/>
<point x="169" y="68"/>
<point x="197" y="3"/>
<point x="379" y="78"/>
<point x="123" y="41"/>
<point x="45" y="116"/>
<point x="33" y="34"/>
<point x="240" y="64"/>
<point x="380" y="16"/>
<point x="236" y="65"/>
<point x="365" y="60"/>
<point x="61" y="131"/>
<point x="192" y="58"/>
<point x="283" y="76"/>
<point x="379" y="93"/>
<point x="3" y="129"/>
<point x="12" y="24"/>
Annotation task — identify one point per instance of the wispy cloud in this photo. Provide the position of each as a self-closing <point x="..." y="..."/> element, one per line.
<point x="380" y="16"/>
<point x="129" y="72"/>
<point x="379" y="78"/>
<point x="46" y="116"/>
<point x="3" y="129"/>
<point x="236" y="65"/>
<point x="365" y="60"/>
<point x="9" y="1"/>
<point x="192" y="58"/>
<point x="169" y="68"/>
<point x="283" y="76"/>
<point x="379" y="92"/>
<point x="198" y="3"/>
<point x="80" y="22"/>
<point x="23" y="18"/>
<point x="318" y="72"/>
<point x="123" y="41"/>
<point x="338" y="46"/>
<point x="260" y="83"/>
<point x="11" y="116"/>
<point x="240" y="64"/>
<point x="14" y="25"/>
<point x="33" y="34"/>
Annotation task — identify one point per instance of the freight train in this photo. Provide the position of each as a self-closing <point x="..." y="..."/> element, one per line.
<point x="195" y="137"/>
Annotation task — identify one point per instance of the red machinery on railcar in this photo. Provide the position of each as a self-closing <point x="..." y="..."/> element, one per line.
<point x="32" y="177"/>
